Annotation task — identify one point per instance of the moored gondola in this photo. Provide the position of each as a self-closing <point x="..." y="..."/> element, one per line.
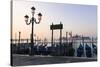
<point x="94" y="48"/>
<point x="80" y="50"/>
<point x="88" y="50"/>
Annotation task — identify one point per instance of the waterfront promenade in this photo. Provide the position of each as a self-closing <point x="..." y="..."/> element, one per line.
<point x="22" y="60"/>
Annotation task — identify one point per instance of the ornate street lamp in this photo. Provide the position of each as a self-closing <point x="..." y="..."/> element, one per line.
<point x="32" y="20"/>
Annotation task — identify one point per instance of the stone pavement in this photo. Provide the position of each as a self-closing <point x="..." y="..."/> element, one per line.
<point x="23" y="60"/>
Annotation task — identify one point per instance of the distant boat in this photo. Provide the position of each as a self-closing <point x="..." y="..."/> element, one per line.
<point x="80" y="51"/>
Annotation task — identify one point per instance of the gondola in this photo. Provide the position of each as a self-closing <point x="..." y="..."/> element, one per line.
<point x="80" y="50"/>
<point x="94" y="48"/>
<point x="88" y="50"/>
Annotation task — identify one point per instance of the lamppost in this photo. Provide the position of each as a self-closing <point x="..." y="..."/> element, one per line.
<point x="32" y="20"/>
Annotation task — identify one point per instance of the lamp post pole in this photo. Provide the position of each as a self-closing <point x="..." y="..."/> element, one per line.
<point x="32" y="20"/>
<point x="32" y="39"/>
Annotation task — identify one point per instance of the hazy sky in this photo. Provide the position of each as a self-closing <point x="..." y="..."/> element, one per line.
<point x="80" y="19"/>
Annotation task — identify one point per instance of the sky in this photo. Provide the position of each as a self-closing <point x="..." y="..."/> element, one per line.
<point x="80" y="19"/>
